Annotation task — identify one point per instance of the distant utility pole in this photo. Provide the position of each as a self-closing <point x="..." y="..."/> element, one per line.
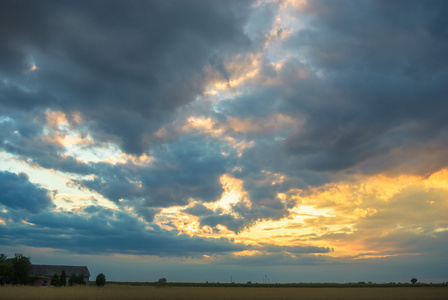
<point x="231" y="279"/>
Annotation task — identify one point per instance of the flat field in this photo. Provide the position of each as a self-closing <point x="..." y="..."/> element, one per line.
<point x="111" y="292"/>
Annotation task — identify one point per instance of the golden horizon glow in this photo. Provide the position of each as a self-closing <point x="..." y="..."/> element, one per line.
<point x="332" y="216"/>
<point x="335" y="215"/>
<point x="257" y="136"/>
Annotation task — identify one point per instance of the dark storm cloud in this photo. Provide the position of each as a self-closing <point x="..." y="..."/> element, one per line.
<point x="383" y="70"/>
<point x="100" y="230"/>
<point x="375" y="84"/>
<point x="187" y="168"/>
<point x="124" y="65"/>
<point x="212" y="219"/>
<point x="18" y="193"/>
<point x="21" y="137"/>
<point x="146" y="213"/>
<point x="374" y="98"/>
<point x="198" y="210"/>
<point x="227" y="220"/>
<point x="107" y="231"/>
<point x="395" y="37"/>
<point x="264" y="206"/>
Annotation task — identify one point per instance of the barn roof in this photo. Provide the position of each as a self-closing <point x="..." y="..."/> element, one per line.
<point x="50" y="270"/>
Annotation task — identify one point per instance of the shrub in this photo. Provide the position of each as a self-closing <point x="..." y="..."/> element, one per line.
<point x="100" y="280"/>
<point x="63" y="279"/>
<point x="55" y="280"/>
<point x="15" y="270"/>
<point x="76" y="279"/>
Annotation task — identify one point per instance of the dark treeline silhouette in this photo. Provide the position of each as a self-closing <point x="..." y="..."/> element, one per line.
<point x="15" y="270"/>
<point x="59" y="281"/>
<point x="100" y="280"/>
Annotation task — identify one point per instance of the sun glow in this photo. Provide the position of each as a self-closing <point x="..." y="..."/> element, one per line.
<point x="333" y="216"/>
<point x="233" y="194"/>
<point x="59" y="130"/>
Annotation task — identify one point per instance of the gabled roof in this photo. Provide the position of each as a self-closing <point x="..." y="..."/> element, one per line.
<point x="50" y="270"/>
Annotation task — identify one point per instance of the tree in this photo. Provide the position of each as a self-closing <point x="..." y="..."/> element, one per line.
<point x="100" y="280"/>
<point x="18" y="270"/>
<point x="4" y="268"/>
<point x="55" y="280"/>
<point x="81" y="279"/>
<point x="76" y="279"/>
<point x="72" y="279"/>
<point x="414" y="280"/>
<point x="15" y="270"/>
<point x="63" y="279"/>
<point x="162" y="280"/>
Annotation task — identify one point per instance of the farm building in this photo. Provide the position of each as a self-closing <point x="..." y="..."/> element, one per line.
<point x="46" y="272"/>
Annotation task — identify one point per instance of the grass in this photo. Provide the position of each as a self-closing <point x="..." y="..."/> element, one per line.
<point x="278" y="285"/>
<point x="112" y="292"/>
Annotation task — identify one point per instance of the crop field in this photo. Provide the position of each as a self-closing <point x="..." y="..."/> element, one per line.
<point x="111" y="292"/>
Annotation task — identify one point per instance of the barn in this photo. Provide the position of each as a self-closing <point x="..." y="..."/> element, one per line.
<point x="44" y="273"/>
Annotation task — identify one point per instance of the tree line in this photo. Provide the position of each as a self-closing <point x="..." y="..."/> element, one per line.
<point x="16" y="271"/>
<point x="74" y="279"/>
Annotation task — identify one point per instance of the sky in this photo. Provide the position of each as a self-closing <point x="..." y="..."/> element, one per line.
<point x="268" y="140"/>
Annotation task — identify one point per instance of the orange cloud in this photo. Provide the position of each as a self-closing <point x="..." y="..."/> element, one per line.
<point x="274" y="123"/>
<point x="62" y="131"/>
<point x="361" y="218"/>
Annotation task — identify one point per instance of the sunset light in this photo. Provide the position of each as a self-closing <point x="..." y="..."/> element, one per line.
<point x="304" y="140"/>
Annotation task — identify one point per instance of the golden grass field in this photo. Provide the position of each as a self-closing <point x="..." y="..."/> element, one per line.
<point x="112" y="292"/>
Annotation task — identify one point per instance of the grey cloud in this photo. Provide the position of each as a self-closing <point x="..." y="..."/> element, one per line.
<point x="187" y="168"/>
<point x="356" y="119"/>
<point x="380" y="73"/>
<point x="147" y="213"/>
<point x="264" y="205"/>
<point x="268" y="209"/>
<point x="259" y="103"/>
<point x="376" y="36"/>
<point x="374" y="101"/>
<point x="376" y="84"/>
<point x="124" y="66"/>
<point x="22" y="138"/>
<point x="375" y="98"/>
<point x="198" y="210"/>
<point x="18" y="193"/>
<point x="229" y="221"/>
<point x="107" y="231"/>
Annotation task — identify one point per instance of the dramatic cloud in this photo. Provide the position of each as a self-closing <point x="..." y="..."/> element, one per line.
<point x="124" y="66"/>
<point x="380" y="83"/>
<point x="239" y="133"/>
<point x="17" y="193"/>
<point x="107" y="231"/>
<point x="186" y="169"/>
